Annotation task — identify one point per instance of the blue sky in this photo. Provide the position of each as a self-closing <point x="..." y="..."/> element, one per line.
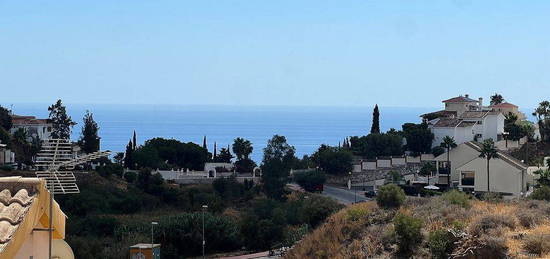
<point x="342" y="53"/>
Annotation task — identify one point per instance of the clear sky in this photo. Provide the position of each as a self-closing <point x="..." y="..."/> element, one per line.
<point x="345" y="53"/>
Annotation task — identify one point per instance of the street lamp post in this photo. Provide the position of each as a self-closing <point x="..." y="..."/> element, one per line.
<point x="204" y="207"/>
<point x="152" y="243"/>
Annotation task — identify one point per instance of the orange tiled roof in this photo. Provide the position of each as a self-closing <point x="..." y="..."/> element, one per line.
<point x="504" y="105"/>
<point x="28" y="120"/>
<point x="460" y="99"/>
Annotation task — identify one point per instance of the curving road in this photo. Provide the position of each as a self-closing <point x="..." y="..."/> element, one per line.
<point x="344" y="196"/>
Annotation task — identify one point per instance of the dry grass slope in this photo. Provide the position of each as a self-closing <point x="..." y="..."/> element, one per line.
<point x="514" y="229"/>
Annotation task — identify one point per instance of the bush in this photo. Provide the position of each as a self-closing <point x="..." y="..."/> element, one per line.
<point x="390" y="196"/>
<point x="457" y="198"/>
<point x="494" y="243"/>
<point x="538" y="244"/>
<point x="528" y="218"/>
<point x="440" y="243"/>
<point x="310" y="180"/>
<point x="542" y="193"/>
<point x="491" y="197"/>
<point x="130" y="177"/>
<point x="408" y="232"/>
<point x="356" y="213"/>
<point x="490" y="222"/>
<point x="317" y="208"/>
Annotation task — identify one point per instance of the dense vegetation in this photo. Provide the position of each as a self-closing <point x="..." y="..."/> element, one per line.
<point x="111" y="214"/>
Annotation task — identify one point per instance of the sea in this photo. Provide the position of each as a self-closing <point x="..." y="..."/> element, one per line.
<point x="305" y="128"/>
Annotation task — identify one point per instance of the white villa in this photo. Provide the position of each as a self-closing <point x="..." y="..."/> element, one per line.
<point x="507" y="175"/>
<point x="40" y="128"/>
<point x="467" y="119"/>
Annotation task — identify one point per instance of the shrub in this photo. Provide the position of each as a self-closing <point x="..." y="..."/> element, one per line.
<point x="310" y="180"/>
<point x="542" y="193"/>
<point x="317" y="208"/>
<point x="490" y="222"/>
<point x="408" y="232"/>
<point x="528" y="218"/>
<point x="440" y="243"/>
<point x="356" y="213"/>
<point x="457" y="198"/>
<point x="390" y="196"/>
<point x="491" y="197"/>
<point x="537" y="243"/>
<point x="130" y="177"/>
<point x="494" y="243"/>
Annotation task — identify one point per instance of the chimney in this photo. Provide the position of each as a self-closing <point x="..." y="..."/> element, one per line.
<point x="480" y="103"/>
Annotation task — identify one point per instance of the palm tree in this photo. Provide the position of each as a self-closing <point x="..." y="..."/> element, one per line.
<point x="488" y="151"/>
<point x="448" y="143"/>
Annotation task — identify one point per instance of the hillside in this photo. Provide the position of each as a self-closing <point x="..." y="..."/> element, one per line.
<point x="448" y="227"/>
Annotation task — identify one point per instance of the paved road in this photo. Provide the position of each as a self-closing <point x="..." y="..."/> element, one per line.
<point x="344" y="196"/>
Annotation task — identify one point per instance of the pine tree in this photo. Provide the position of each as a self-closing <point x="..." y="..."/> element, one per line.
<point x="375" y="129"/>
<point x="89" y="139"/>
<point x="204" y="145"/>
<point x="61" y="122"/>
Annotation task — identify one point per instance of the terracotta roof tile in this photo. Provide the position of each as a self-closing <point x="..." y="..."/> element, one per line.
<point x="14" y="208"/>
<point x="504" y="105"/>
<point x="460" y="99"/>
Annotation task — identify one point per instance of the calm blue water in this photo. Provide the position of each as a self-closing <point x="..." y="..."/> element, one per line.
<point x="305" y="127"/>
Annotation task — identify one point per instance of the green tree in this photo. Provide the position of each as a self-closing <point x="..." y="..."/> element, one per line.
<point x="419" y="137"/>
<point x="375" y="128"/>
<point x="5" y="118"/>
<point x="448" y="143"/>
<point x="375" y="145"/>
<point x="242" y="148"/>
<point x="119" y="158"/>
<point x="22" y="148"/>
<point x="277" y="162"/>
<point x="224" y="156"/>
<point x="128" y="156"/>
<point x="333" y="160"/>
<point x="89" y="138"/>
<point x="5" y="137"/>
<point x="488" y="151"/>
<point x="309" y="180"/>
<point x="543" y="116"/>
<point x="61" y="122"/>
<point x="496" y="99"/>
<point x="544" y="177"/>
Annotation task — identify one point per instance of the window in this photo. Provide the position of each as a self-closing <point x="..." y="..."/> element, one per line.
<point x="467" y="178"/>
<point x="479" y="122"/>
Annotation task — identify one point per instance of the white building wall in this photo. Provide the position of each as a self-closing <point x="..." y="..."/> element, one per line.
<point x="503" y="177"/>
<point x="398" y="161"/>
<point x="384" y="163"/>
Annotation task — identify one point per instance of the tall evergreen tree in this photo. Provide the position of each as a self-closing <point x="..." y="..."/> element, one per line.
<point x="5" y="118"/>
<point x="375" y="128"/>
<point x="89" y="139"/>
<point x="134" y="141"/>
<point x="128" y="156"/>
<point x="204" y="145"/>
<point x="61" y="122"/>
<point x="215" y="150"/>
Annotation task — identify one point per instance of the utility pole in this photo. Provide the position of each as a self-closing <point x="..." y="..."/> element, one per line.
<point x="204" y="207"/>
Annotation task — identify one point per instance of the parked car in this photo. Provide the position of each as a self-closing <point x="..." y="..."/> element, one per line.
<point x="370" y="194"/>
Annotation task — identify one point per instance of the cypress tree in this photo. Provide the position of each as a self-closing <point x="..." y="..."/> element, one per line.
<point x="128" y="161"/>
<point x="375" y="129"/>
<point x="134" y="144"/>
<point x="215" y="147"/>
<point x="204" y="143"/>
